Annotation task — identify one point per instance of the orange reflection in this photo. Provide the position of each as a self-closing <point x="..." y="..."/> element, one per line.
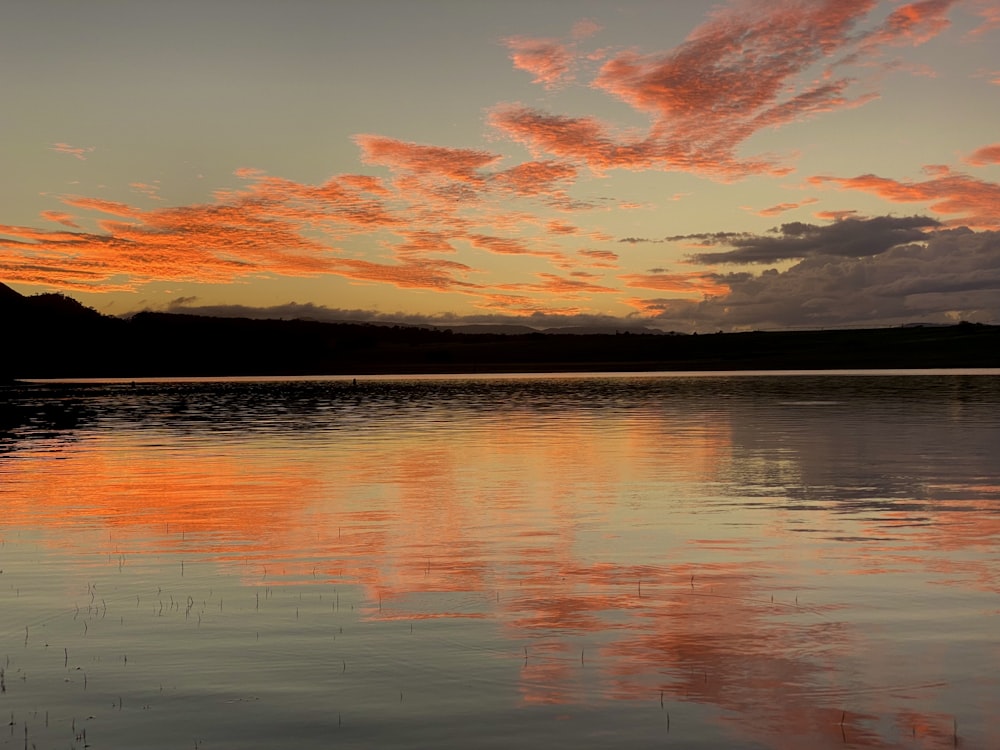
<point x="577" y="533"/>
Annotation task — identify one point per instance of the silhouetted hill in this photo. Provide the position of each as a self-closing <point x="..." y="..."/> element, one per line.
<point x="52" y="336"/>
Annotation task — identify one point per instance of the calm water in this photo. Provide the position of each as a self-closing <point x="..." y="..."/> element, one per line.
<point x="601" y="561"/>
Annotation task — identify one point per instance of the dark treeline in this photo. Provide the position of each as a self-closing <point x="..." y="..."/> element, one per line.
<point x="53" y="336"/>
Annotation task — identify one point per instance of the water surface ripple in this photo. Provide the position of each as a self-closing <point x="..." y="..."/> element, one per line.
<point x="710" y="561"/>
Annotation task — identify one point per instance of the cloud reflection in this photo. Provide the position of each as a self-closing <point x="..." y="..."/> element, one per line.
<point x="698" y="540"/>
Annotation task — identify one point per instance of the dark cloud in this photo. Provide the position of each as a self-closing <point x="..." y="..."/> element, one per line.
<point x="950" y="275"/>
<point x="847" y="238"/>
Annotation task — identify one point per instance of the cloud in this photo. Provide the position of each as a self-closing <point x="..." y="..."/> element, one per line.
<point x="574" y="288"/>
<point x="700" y="283"/>
<point x="151" y="191"/>
<point x="586" y="28"/>
<point x="546" y="59"/>
<point x="990" y="13"/>
<point x="850" y="237"/>
<point x="781" y="208"/>
<point x="913" y="24"/>
<point x="60" y="217"/>
<point x="734" y="75"/>
<point x="436" y="200"/>
<point x="544" y="179"/>
<point x="952" y="275"/>
<point x="77" y="151"/>
<point x="509" y="246"/>
<point x="747" y="69"/>
<point x="836" y="215"/>
<point x="984" y="156"/>
<point x="459" y="164"/>
<point x="599" y="258"/>
<point x="976" y="203"/>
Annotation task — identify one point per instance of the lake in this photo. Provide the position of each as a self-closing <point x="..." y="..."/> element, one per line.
<point x="690" y="560"/>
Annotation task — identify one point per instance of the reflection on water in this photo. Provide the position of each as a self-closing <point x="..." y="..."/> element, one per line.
<point x="709" y="561"/>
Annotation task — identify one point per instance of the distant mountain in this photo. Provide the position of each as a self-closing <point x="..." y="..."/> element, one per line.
<point x="53" y="336"/>
<point x="52" y="305"/>
<point x="498" y="329"/>
<point x="605" y="330"/>
<point x="8" y="296"/>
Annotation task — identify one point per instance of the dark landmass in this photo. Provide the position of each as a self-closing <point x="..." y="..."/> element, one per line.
<point x="53" y="336"/>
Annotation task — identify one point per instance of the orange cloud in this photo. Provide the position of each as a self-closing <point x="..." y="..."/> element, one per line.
<point x="508" y="246"/>
<point x="984" y="156"/>
<point x="522" y="306"/>
<point x="835" y="215"/>
<point x="535" y="178"/>
<point x="459" y="164"/>
<point x="60" y="217"/>
<point x="783" y="207"/>
<point x="684" y="283"/>
<point x="546" y="59"/>
<point x="977" y="202"/>
<point x="105" y="207"/>
<point x="552" y="284"/>
<point x="600" y="258"/>
<point x="561" y="227"/>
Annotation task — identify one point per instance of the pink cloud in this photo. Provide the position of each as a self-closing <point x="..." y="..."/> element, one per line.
<point x="781" y="208"/>
<point x="984" y="156"/>
<point x="586" y="28"/>
<point x="546" y="59"/>
<point x="746" y="69"/>
<point x="913" y="23"/>
<point x="975" y="202"/>
<point x="989" y="11"/>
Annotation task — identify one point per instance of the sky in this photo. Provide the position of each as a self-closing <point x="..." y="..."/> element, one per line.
<point x="674" y="164"/>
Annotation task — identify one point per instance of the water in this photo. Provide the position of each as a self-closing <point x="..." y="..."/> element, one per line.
<point x="704" y="561"/>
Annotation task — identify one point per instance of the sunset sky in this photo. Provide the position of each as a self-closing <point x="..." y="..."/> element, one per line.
<point x="682" y="165"/>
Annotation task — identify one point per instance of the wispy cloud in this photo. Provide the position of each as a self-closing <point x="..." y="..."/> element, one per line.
<point x="747" y="69"/>
<point x="781" y="208"/>
<point x="984" y="156"/>
<point x="80" y="152"/>
<point x="990" y="13"/>
<point x="695" y="283"/>
<point x="438" y="200"/>
<point x="546" y="59"/>
<point x="973" y="202"/>
<point x="60" y="217"/>
<point x="599" y="258"/>
<point x="913" y="23"/>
